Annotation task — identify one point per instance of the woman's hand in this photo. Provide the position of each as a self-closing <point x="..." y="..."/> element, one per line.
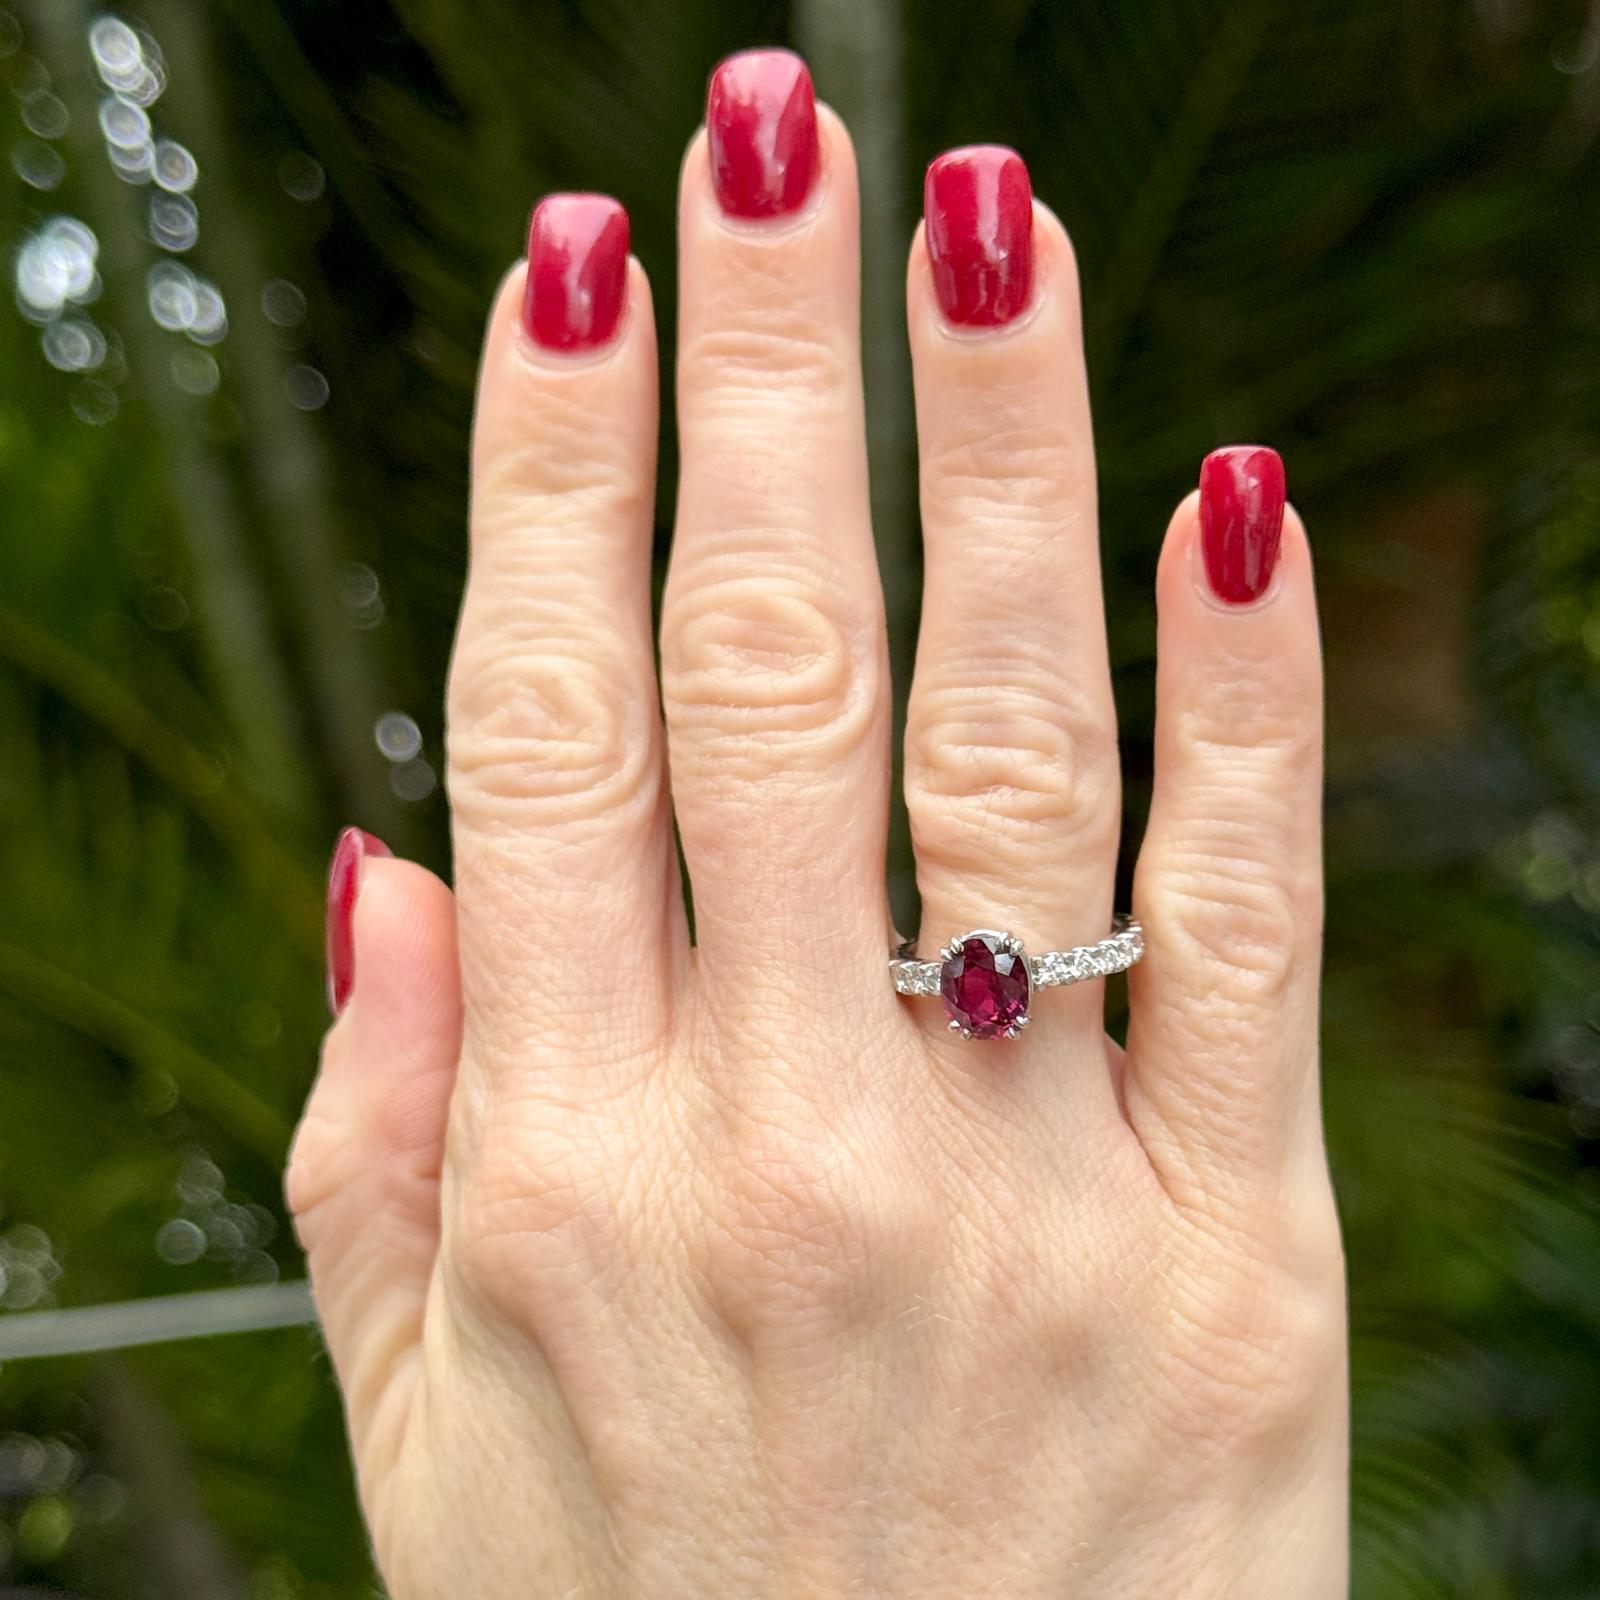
<point x="658" y="1271"/>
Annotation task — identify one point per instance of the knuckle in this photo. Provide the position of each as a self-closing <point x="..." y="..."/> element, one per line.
<point x="1026" y="765"/>
<point x="1013" y="1281"/>
<point x="1240" y="927"/>
<point x="323" y="1158"/>
<point x="527" y="1209"/>
<point x="1243" y="739"/>
<point x="312" y="1177"/>
<point x="1309" y="1241"/>
<point x="1297" y="1354"/>
<point x="365" y="1143"/>
<point x="562" y="465"/>
<point x="740" y="359"/>
<point x="544" y="431"/>
<point x="546" y="731"/>
<point x="1257" y="1359"/>
<point x="1012" y="470"/>
<point x="748" y="655"/>
<point x="799" y="1233"/>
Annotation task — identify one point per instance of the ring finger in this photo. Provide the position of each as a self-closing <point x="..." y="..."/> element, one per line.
<point x="1011" y="768"/>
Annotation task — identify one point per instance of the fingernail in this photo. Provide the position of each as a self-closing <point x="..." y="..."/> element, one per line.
<point x="344" y="885"/>
<point x="577" y="271"/>
<point x="977" y="206"/>
<point x="1241" y="519"/>
<point x="761" y="121"/>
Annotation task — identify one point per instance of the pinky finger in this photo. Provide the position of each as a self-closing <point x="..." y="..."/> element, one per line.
<point x="363" y="1182"/>
<point x="1222" y="1084"/>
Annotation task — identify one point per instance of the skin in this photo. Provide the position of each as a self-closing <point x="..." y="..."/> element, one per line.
<point x="650" y="1270"/>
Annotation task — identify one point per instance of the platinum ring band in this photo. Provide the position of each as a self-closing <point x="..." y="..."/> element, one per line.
<point x="986" y="978"/>
<point x="1123" y="948"/>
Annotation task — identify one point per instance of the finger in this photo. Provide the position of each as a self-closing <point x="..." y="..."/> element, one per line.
<point x="773" y="653"/>
<point x="565" y="870"/>
<point x="1011" y="764"/>
<point x="363" y="1182"/>
<point x="1222" y="1049"/>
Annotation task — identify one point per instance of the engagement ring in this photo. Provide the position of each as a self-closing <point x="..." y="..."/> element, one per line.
<point x="986" y="979"/>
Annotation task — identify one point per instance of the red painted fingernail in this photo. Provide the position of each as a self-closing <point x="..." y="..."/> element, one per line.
<point x="1241" y="519"/>
<point x="761" y="121"/>
<point x="344" y="885"/>
<point x="977" y="207"/>
<point x="577" y="271"/>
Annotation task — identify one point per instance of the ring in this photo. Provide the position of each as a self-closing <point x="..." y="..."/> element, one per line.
<point x="986" y="979"/>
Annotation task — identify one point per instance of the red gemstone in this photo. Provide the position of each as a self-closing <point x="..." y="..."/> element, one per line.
<point x="984" y="987"/>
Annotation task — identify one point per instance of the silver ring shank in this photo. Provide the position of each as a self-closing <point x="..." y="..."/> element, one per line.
<point x="1052" y="970"/>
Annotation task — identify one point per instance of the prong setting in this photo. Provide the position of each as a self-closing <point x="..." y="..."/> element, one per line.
<point x="986" y="978"/>
<point x="985" y="981"/>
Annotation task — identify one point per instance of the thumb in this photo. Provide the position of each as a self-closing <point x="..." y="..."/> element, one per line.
<point x="363" y="1181"/>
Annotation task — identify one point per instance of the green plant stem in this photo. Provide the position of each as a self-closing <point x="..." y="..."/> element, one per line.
<point x="288" y="456"/>
<point x="276" y="872"/>
<point x="155" y="1319"/>
<point x="76" y="1003"/>
<point x="1200" y="116"/>
<point x="317" y="115"/>
<point x="184" y="1551"/>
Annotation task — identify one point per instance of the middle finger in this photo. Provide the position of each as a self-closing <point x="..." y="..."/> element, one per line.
<point x="774" y="671"/>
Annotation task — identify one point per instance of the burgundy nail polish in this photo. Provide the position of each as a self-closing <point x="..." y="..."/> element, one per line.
<point x="1241" y="519"/>
<point x="977" y="206"/>
<point x="761" y="122"/>
<point x="344" y="885"/>
<point x="577" y="271"/>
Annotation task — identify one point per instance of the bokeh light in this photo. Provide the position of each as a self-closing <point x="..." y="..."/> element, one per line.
<point x="302" y="177"/>
<point x="172" y="297"/>
<point x="56" y="268"/>
<point x="306" y="388"/>
<point x="45" y="115"/>
<point x="39" y="165"/>
<point x="210" y="1224"/>
<point x="398" y="737"/>
<point x="283" y="303"/>
<point x="73" y="345"/>
<point x="172" y="167"/>
<point x="174" y="222"/>
<point x="94" y="402"/>
<point x="413" y="780"/>
<point x="123" y="123"/>
<point x="29" y="1270"/>
<point x="195" y="371"/>
<point x="129" y="61"/>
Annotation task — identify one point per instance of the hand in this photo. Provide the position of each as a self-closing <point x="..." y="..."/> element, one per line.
<point x="659" y="1271"/>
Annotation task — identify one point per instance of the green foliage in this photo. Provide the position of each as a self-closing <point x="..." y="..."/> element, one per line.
<point x="1355" y="228"/>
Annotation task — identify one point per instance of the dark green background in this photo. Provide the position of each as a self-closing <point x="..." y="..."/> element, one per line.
<point x="1360" y="230"/>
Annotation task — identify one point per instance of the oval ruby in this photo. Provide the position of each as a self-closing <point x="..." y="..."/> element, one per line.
<point x="984" y="986"/>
